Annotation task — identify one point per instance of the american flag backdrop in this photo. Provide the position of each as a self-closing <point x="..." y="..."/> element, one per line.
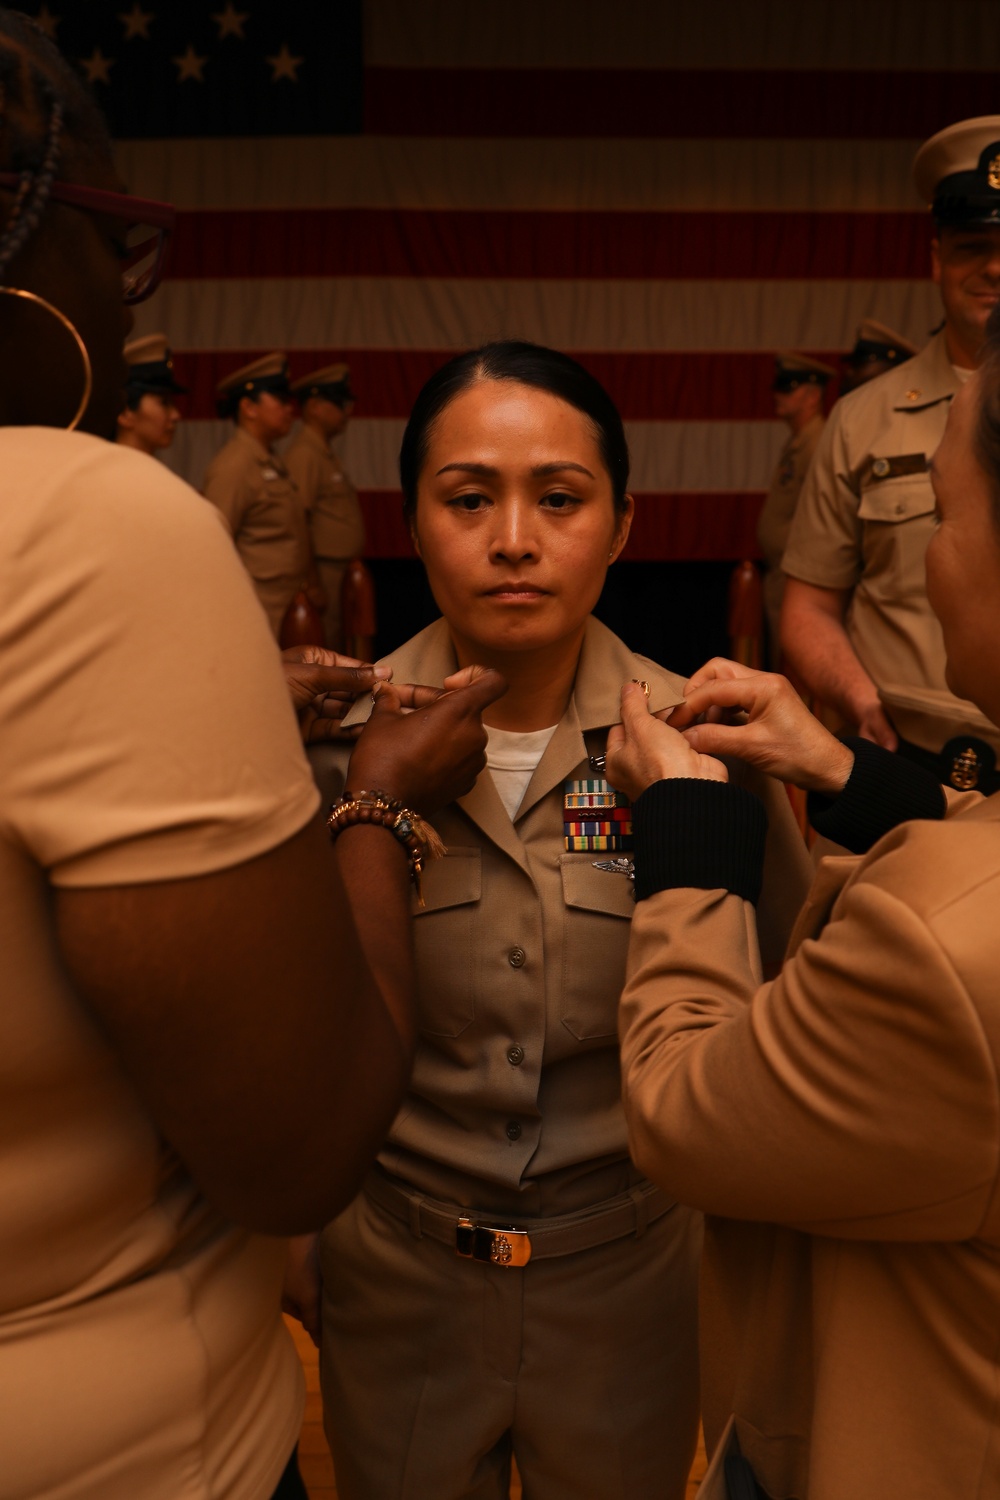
<point x="670" y="190"/>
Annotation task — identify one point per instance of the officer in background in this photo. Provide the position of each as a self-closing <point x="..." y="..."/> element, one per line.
<point x="251" y="486"/>
<point x="798" y="386"/>
<point x="328" y="497"/>
<point x="856" y="625"/>
<point x="149" y="418"/>
<point x="877" y="349"/>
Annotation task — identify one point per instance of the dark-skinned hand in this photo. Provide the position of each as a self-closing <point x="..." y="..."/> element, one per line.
<point x="427" y="751"/>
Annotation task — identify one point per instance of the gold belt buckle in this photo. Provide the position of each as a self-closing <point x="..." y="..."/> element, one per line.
<point x="497" y="1245"/>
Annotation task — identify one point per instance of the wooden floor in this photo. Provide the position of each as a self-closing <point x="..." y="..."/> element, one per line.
<point x="314" y="1456"/>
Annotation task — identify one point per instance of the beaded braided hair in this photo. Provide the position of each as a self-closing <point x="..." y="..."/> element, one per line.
<point x="44" y="106"/>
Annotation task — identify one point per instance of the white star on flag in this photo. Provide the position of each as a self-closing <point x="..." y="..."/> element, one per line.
<point x="46" y="21"/>
<point x="136" y="22"/>
<point x="284" y="65"/>
<point x="230" y="21"/>
<point x="190" y="66"/>
<point x="97" y="66"/>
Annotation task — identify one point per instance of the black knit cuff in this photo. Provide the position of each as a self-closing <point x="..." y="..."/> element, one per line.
<point x="707" y="834"/>
<point x="882" y="791"/>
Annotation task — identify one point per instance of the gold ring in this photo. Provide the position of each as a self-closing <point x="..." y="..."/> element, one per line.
<point x="640" y="683"/>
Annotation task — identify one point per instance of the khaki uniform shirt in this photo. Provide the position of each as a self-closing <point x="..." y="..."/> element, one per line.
<point x="776" y="515"/>
<point x="327" y="495"/>
<point x="147" y="737"/>
<point x="253" y="490"/>
<point x="841" y="1128"/>
<point x="514" y="1103"/>
<point x="864" y="518"/>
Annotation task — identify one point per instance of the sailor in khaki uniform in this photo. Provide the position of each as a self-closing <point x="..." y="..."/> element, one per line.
<point x="329" y="498"/>
<point x="149" y="418"/>
<point x="251" y="486"/>
<point x="876" y="349"/>
<point x="514" y="1117"/>
<point x="856" y="626"/>
<point x="798" y="386"/>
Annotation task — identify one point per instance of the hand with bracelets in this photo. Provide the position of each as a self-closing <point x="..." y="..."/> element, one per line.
<point x="410" y="762"/>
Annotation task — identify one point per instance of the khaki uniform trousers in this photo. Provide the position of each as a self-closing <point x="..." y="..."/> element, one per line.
<point x="437" y="1369"/>
<point x="331" y="576"/>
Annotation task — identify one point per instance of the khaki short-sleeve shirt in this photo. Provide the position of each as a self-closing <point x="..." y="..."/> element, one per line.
<point x="328" y="497"/>
<point x="775" y="519"/>
<point x="147" y="736"/>
<point x="863" y="522"/>
<point x="515" y="1099"/>
<point x="253" y="490"/>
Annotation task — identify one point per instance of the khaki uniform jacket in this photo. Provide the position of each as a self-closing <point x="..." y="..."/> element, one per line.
<point x="327" y="495"/>
<point x="845" y="1121"/>
<point x="515" y="1099"/>
<point x="253" y="490"/>
<point x="864" y="518"/>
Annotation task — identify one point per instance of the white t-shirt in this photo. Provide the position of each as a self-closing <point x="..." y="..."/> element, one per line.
<point x="512" y="758"/>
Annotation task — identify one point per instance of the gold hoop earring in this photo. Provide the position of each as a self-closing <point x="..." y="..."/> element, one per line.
<point x="88" y="373"/>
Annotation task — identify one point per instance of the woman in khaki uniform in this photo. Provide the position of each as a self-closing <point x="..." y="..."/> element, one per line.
<point x="567" y="1335"/>
<point x="841" y="1124"/>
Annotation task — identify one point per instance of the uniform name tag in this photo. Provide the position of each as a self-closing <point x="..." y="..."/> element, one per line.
<point x="895" y="467"/>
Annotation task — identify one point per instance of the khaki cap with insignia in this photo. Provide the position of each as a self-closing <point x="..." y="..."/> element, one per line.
<point x="793" y="370"/>
<point x="270" y="373"/>
<point x="332" y="383"/>
<point x="151" y="366"/>
<point x="875" y="341"/>
<point x="957" y="172"/>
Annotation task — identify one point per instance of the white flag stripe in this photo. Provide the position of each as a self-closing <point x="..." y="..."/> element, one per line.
<point x="854" y="34"/>
<point x="666" y="456"/>
<point x="427" y="313"/>
<point x="583" y="175"/>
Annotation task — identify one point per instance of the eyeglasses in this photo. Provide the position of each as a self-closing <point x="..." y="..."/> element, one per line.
<point x="147" y="227"/>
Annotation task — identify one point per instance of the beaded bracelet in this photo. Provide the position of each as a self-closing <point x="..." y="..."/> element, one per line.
<point x="382" y="811"/>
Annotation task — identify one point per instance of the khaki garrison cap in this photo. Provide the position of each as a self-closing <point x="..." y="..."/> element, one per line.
<point x="267" y="374"/>
<point x="793" y="370"/>
<point x="151" y="367"/>
<point x="332" y="383"/>
<point x="958" y="172"/>
<point x="877" y="342"/>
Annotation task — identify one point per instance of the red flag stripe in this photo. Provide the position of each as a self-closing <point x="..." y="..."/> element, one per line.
<point x="700" y="527"/>
<point x="645" y="387"/>
<point x="270" y="243"/>
<point x="682" y="103"/>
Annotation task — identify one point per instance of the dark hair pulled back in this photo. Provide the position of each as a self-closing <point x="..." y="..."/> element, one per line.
<point x="527" y="364"/>
<point x="45" y="109"/>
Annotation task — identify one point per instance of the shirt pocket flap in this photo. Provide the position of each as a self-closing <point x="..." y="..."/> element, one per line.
<point x="897" y="500"/>
<point x="590" y="889"/>
<point x="454" y="880"/>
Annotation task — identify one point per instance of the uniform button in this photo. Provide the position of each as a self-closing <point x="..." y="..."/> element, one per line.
<point x="516" y="958"/>
<point x="515" y="1056"/>
<point x="513" y="1131"/>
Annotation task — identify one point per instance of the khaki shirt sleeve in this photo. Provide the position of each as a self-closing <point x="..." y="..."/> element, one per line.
<point x="303" y="468"/>
<point x="148" y="734"/>
<point x="824" y="544"/>
<point x="853" y="1097"/>
<point x="227" y="488"/>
